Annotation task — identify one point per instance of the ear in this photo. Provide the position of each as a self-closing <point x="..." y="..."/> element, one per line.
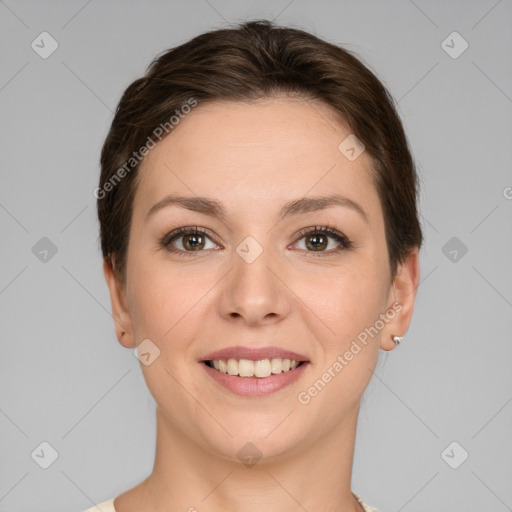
<point x="120" y="312"/>
<point x="402" y="294"/>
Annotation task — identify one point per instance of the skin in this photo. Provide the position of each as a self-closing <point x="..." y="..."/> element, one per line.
<point x="253" y="158"/>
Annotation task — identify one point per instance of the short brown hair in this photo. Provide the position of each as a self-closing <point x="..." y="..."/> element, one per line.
<point x="258" y="59"/>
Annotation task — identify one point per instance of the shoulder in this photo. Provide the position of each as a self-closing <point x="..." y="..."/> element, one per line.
<point x="104" y="506"/>
<point x="367" y="508"/>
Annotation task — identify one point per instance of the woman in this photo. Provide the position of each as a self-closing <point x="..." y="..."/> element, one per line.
<point x="260" y="235"/>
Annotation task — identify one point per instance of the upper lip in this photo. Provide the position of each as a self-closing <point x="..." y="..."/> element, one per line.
<point x="254" y="354"/>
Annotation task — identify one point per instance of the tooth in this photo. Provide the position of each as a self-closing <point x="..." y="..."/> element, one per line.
<point x="232" y="367"/>
<point x="222" y="366"/>
<point x="246" y="368"/>
<point x="276" y="365"/>
<point x="262" y="368"/>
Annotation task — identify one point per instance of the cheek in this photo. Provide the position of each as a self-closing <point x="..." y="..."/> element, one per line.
<point x="349" y="300"/>
<point x="150" y="298"/>
<point x="353" y="305"/>
<point x="165" y="311"/>
<point x="165" y="300"/>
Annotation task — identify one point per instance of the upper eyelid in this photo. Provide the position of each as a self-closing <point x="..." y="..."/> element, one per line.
<point x="185" y="230"/>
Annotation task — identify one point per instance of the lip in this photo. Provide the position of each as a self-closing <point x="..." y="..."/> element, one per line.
<point x="254" y="354"/>
<point x="254" y="386"/>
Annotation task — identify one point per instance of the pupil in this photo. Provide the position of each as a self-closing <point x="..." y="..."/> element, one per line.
<point x="315" y="244"/>
<point x="192" y="241"/>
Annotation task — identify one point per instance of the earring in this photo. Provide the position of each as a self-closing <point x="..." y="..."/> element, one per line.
<point x="397" y="339"/>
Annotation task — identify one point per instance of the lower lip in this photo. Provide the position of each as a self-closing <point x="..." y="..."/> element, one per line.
<point x="255" y="386"/>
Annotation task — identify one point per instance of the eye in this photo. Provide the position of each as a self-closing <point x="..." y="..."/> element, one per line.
<point x="317" y="240"/>
<point x="192" y="239"/>
<point x="187" y="240"/>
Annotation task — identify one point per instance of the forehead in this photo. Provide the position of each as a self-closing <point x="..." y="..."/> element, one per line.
<point x="252" y="153"/>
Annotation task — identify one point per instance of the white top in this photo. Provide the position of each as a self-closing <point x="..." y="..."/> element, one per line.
<point x="104" y="506"/>
<point x="108" y="506"/>
<point x="367" y="508"/>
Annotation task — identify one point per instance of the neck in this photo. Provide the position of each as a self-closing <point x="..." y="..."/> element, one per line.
<point x="187" y="476"/>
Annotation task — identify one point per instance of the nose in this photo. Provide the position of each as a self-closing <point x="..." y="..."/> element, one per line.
<point x="253" y="291"/>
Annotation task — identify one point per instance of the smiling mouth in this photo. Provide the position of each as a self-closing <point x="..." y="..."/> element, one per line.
<point x="260" y="369"/>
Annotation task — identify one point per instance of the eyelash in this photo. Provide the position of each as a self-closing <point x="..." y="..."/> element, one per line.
<point x="165" y="242"/>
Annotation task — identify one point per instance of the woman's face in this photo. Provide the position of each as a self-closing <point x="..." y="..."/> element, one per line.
<point x="262" y="275"/>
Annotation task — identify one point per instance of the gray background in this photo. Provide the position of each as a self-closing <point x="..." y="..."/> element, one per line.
<point x="64" y="378"/>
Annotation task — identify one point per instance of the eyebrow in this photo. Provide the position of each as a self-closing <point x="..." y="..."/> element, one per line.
<point x="303" y="205"/>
